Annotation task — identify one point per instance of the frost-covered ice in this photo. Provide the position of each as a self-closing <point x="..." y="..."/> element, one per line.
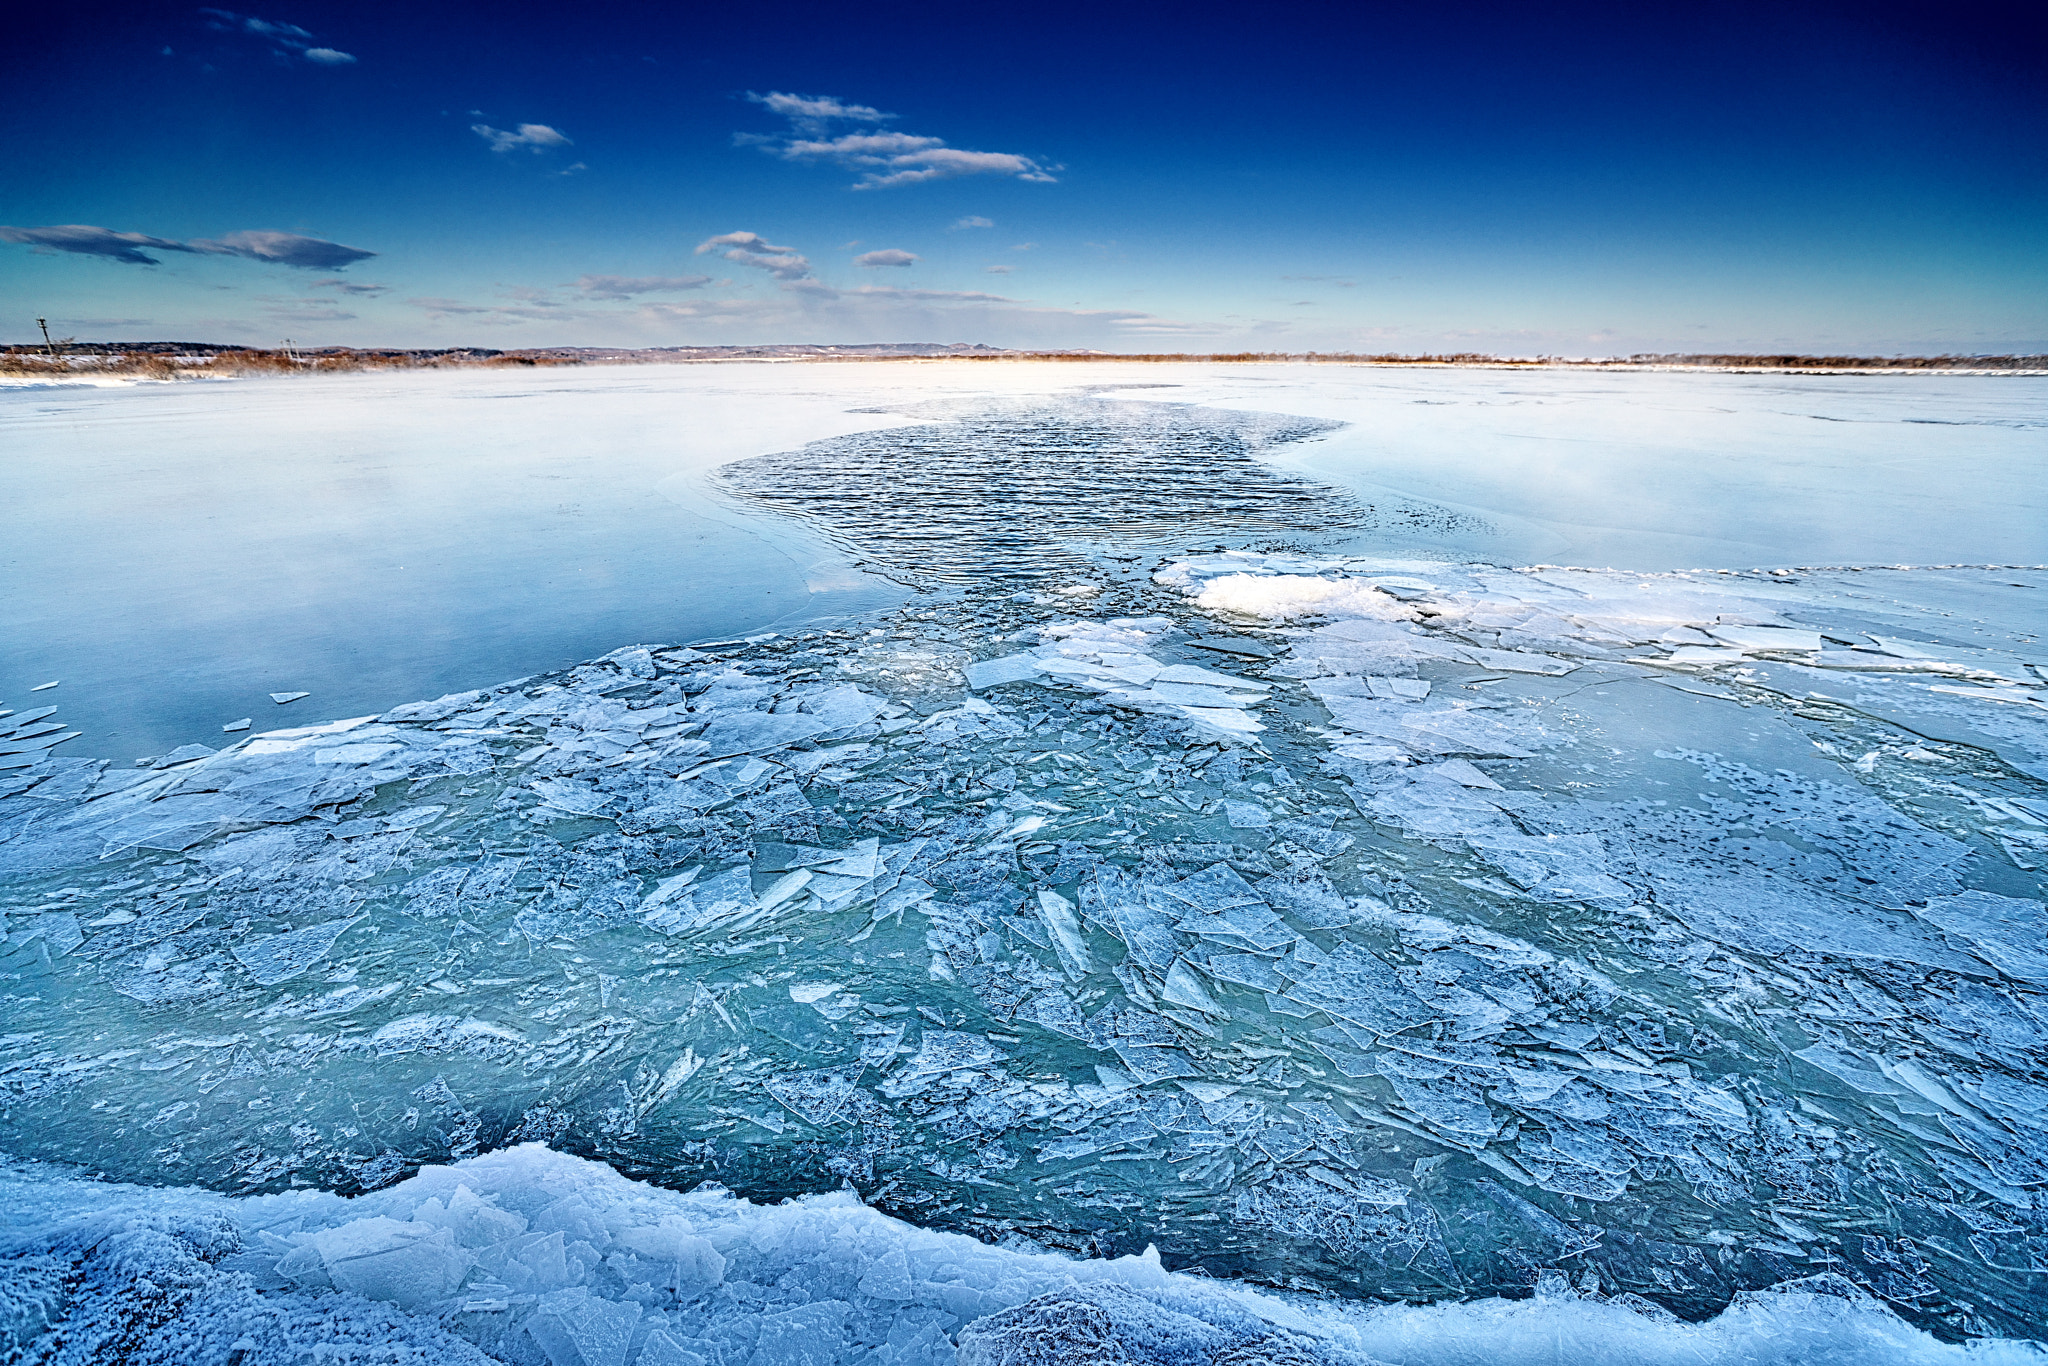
<point x="530" y="1256"/>
<point x="1355" y="927"/>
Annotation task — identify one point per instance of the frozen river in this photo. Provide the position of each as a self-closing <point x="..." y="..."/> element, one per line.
<point x="177" y="553"/>
<point x="1170" y="829"/>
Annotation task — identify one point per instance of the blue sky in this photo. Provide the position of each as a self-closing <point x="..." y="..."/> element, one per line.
<point x="1573" y="180"/>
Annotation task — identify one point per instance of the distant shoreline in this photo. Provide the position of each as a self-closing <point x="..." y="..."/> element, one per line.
<point x="172" y="360"/>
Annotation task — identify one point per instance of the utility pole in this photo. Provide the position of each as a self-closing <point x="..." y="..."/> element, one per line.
<point x="44" y="323"/>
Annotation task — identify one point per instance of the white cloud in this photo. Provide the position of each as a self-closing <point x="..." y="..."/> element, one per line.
<point x="285" y="39"/>
<point x="227" y="21"/>
<point x="888" y="257"/>
<point x="625" y="287"/>
<point x="857" y="149"/>
<point x="751" y="249"/>
<point x="943" y="163"/>
<point x="997" y="270"/>
<point x="808" y="111"/>
<point x="537" y="137"/>
<point x="884" y="159"/>
<point x="975" y="221"/>
<point x="351" y="287"/>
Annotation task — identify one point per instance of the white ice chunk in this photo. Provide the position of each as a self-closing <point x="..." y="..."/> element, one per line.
<point x="577" y="798"/>
<point x="844" y="707"/>
<point x="1246" y="816"/>
<point x="407" y="1263"/>
<point x="991" y="673"/>
<point x="355" y="755"/>
<point x="747" y="732"/>
<point x="281" y="957"/>
<point x="1230" y="721"/>
<point x="1068" y="943"/>
<point x="1759" y="638"/>
<point x="2007" y="932"/>
<point x="1183" y="988"/>
<point x="1282" y="596"/>
<point x="1398" y="689"/>
<point x="1194" y="673"/>
<point x="577" y="1328"/>
<point x="863" y="860"/>
<point x="1460" y="771"/>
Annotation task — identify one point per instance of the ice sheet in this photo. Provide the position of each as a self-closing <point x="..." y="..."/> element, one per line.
<point x="1593" y="957"/>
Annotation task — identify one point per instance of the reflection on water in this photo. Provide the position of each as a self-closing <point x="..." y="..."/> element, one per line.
<point x="176" y="553"/>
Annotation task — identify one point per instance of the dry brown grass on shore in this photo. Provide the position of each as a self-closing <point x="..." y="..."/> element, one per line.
<point x="184" y="360"/>
<point x="173" y="365"/>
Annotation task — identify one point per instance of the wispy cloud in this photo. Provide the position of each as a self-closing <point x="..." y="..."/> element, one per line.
<point x="133" y="248"/>
<point x="351" y="287"/>
<point x="751" y="249"/>
<point x="82" y="239"/>
<point x="957" y="296"/>
<point x="539" y="309"/>
<point x="533" y="137"/>
<point x="885" y="159"/>
<point x="306" y="311"/>
<point x="887" y="257"/>
<point x="442" y="308"/>
<point x="974" y="220"/>
<point x="997" y="270"/>
<point x="284" y="249"/>
<point x="943" y="163"/>
<point x="626" y="287"/>
<point x="1341" y="281"/>
<point x="287" y="40"/>
<point x="818" y="110"/>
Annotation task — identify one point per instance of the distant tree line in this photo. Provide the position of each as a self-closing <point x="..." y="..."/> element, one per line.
<point x="176" y="360"/>
<point x="1791" y="362"/>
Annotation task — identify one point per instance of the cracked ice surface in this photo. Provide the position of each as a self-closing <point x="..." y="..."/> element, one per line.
<point x="1421" y="930"/>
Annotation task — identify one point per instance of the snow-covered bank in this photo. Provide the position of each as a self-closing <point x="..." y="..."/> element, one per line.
<point x="528" y="1256"/>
